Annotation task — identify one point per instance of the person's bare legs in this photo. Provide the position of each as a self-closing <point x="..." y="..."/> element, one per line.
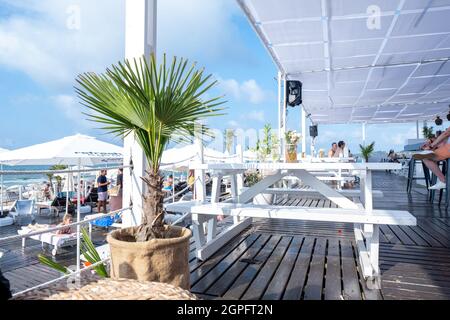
<point x="104" y="206"/>
<point x="99" y="206"/>
<point x="432" y="165"/>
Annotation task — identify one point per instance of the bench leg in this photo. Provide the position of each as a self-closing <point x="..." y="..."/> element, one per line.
<point x="198" y="231"/>
<point x="368" y="252"/>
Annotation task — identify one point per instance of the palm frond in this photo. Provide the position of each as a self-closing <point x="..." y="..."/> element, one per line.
<point x="155" y="103"/>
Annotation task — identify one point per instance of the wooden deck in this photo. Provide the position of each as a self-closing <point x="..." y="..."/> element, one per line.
<point x="279" y="259"/>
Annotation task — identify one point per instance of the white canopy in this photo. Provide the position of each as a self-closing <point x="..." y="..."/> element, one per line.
<point x="179" y="158"/>
<point x="367" y="61"/>
<point x="3" y="150"/>
<point x="68" y="151"/>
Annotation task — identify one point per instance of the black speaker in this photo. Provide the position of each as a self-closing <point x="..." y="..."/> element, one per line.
<point x="313" y="131"/>
<point x="293" y="93"/>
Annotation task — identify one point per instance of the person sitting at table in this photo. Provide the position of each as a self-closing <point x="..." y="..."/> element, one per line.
<point x="392" y="156"/>
<point x="439" y="150"/>
<point x="341" y="151"/>
<point x="333" y="149"/>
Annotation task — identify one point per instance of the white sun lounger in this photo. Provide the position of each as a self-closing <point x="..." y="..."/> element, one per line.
<point x="57" y="241"/>
<point x="23" y="213"/>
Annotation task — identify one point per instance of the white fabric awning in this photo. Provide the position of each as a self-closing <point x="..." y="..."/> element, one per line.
<point x="180" y="158"/>
<point x="367" y="61"/>
<point x="3" y="150"/>
<point x="67" y="151"/>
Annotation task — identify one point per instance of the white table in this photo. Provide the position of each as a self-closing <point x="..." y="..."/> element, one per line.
<point x="357" y="210"/>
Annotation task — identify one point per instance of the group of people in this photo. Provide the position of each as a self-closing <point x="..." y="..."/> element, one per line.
<point x="339" y="150"/>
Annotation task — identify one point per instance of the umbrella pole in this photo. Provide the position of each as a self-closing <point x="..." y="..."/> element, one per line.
<point x="173" y="186"/>
<point x="78" y="215"/>
<point x="67" y="194"/>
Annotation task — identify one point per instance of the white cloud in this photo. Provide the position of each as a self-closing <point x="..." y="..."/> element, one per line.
<point x="52" y="41"/>
<point x="202" y="30"/>
<point x="233" y="123"/>
<point x="253" y="91"/>
<point x="71" y="109"/>
<point x="247" y="91"/>
<point x="256" y="115"/>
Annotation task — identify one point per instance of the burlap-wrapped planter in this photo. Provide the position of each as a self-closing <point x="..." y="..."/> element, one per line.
<point x="161" y="260"/>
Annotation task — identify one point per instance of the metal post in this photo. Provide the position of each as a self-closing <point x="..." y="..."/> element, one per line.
<point x="284" y="112"/>
<point x="280" y="114"/>
<point x="67" y="193"/>
<point x="364" y="133"/>
<point x="199" y="185"/>
<point x="303" y="130"/>
<point x="417" y="129"/>
<point x="173" y="186"/>
<point x="240" y="176"/>
<point x="78" y="213"/>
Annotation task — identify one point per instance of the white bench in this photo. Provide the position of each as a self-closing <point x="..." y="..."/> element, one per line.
<point x="367" y="239"/>
<point x="309" y="192"/>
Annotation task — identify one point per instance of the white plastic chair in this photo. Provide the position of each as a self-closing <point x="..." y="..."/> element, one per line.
<point x="23" y="212"/>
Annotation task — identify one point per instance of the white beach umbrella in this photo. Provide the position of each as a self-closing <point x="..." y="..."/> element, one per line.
<point x="250" y="155"/>
<point x="73" y="150"/>
<point x="3" y="150"/>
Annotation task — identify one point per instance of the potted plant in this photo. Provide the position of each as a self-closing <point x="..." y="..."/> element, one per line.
<point x="366" y="151"/>
<point x="156" y="104"/>
<point x="427" y="132"/>
<point x="266" y="148"/>
<point x="292" y="139"/>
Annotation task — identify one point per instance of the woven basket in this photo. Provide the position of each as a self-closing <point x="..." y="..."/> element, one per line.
<point x="109" y="289"/>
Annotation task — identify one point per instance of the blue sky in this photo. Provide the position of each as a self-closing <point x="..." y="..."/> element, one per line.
<point x="41" y="53"/>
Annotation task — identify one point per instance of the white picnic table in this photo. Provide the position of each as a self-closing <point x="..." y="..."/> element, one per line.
<point x="355" y="206"/>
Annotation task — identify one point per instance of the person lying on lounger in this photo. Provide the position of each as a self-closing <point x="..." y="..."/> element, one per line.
<point x="439" y="150"/>
<point x="67" y="219"/>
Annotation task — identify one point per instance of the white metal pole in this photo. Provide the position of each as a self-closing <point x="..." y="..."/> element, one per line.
<point x="303" y="130"/>
<point x="78" y="214"/>
<point x="280" y="114"/>
<point x="67" y="193"/>
<point x="140" y="39"/>
<point x="173" y="186"/>
<point x="239" y="177"/>
<point x="283" y="133"/>
<point x="1" y="190"/>
<point x="364" y="133"/>
<point x="417" y="129"/>
<point x="199" y="189"/>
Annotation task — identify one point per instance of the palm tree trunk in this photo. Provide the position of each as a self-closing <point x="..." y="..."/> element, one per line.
<point x="153" y="216"/>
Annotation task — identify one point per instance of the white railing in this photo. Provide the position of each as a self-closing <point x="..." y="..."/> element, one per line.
<point x="66" y="276"/>
<point x="52" y="229"/>
<point x="62" y="171"/>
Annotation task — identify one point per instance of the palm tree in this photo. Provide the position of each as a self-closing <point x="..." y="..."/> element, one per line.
<point x="58" y="178"/>
<point x="156" y="104"/>
<point x="366" y="151"/>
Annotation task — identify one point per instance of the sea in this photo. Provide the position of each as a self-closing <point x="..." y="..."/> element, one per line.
<point x="22" y="179"/>
<point x="28" y="179"/>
